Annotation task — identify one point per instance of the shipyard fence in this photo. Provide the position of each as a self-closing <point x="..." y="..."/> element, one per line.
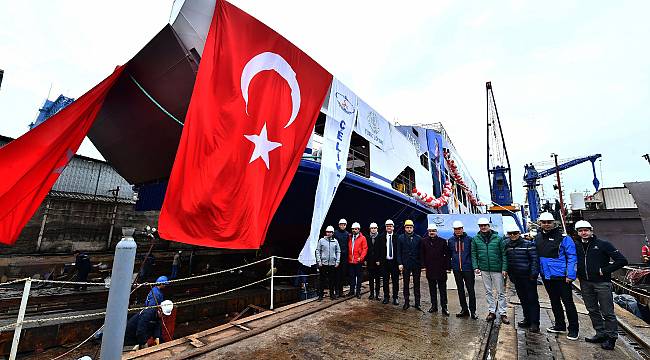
<point x="304" y="277"/>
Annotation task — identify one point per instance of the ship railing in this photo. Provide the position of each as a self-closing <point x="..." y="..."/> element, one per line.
<point x="17" y="327"/>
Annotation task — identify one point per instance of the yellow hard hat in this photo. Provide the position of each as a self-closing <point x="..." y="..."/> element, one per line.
<point x="408" y="222"/>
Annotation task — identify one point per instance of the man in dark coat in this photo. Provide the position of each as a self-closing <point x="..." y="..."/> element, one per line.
<point x="594" y="272"/>
<point x="435" y="258"/>
<point x="83" y="267"/>
<point x="523" y="269"/>
<point x="387" y="253"/>
<point x="408" y="260"/>
<point x="342" y="273"/>
<point x="460" y="245"/>
<point x="373" y="262"/>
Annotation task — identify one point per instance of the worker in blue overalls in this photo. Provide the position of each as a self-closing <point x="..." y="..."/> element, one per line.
<point x="155" y="296"/>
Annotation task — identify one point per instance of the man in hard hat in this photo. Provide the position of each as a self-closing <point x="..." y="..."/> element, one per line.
<point x="408" y="260"/>
<point x="557" y="265"/>
<point x="147" y="324"/>
<point x="328" y="258"/>
<point x="373" y="261"/>
<point x="435" y="258"/>
<point x="358" y="249"/>
<point x="155" y="296"/>
<point x="523" y="269"/>
<point x="489" y="259"/>
<point x="460" y="246"/>
<point x="342" y="274"/>
<point x="594" y="272"/>
<point x="388" y="253"/>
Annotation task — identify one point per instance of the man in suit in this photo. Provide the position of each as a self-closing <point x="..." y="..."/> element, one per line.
<point x="387" y="252"/>
<point x="373" y="261"/>
<point x="408" y="260"/>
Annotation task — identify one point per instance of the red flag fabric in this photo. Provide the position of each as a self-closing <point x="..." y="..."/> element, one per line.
<point x="255" y="102"/>
<point x="31" y="164"/>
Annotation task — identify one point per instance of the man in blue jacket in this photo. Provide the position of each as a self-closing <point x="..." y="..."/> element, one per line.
<point x="409" y="263"/>
<point x="557" y="260"/>
<point x="594" y="272"/>
<point x="523" y="268"/>
<point x="461" y="263"/>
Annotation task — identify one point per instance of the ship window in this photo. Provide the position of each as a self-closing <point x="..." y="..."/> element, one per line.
<point x="359" y="156"/>
<point x="424" y="160"/>
<point x="319" y="128"/>
<point x="405" y="181"/>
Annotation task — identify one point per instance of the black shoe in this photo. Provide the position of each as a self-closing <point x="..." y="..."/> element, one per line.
<point x="432" y="309"/>
<point x="490" y="317"/>
<point x="377" y="297"/>
<point x="417" y="306"/>
<point x="556" y="329"/>
<point x="386" y="301"/>
<point x="609" y="344"/>
<point x="406" y="306"/>
<point x="534" y="328"/>
<point x="358" y="296"/>
<point x="371" y="297"/>
<point x="597" y="339"/>
<point x="395" y="302"/>
<point x="572" y="335"/>
<point x="351" y="294"/>
<point x="462" y="314"/>
<point x="320" y="298"/>
<point x="473" y="316"/>
<point x="445" y="312"/>
<point x="523" y="324"/>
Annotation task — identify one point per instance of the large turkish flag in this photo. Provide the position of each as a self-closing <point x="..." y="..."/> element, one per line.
<point x="30" y="165"/>
<point x="254" y="106"/>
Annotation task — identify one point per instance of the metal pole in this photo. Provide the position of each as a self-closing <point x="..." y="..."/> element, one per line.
<point x="272" y="266"/>
<point x="559" y="189"/>
<point x="40" y="233"/>
<point x="118" y="297"/>
<point x="110" y="232"/>
<point x="21" y="317"/>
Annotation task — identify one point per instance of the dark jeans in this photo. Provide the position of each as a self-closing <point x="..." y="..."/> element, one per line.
<point x="599" y="301"/>
<point x="416" y="284"/>
<point x="81" y="277"/>
<point x="527" y="294"/>
<point x="559" y="292"/>
<point x="442" y="288"/>
<point x="342" y="274"/>
<point x="374" y="278"/>
<point x="327" y="278"/>
<point x="356" y="277"/>
<point x="465" y="279"/>
<point x="390" y="271"/>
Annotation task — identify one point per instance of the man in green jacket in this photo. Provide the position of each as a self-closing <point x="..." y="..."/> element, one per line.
<point x="489" y="260"/>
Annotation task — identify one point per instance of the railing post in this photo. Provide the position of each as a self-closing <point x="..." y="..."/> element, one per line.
<point x="118" y="297"/>
<point x="21" y="316"/>
<point x="272" y="267"/>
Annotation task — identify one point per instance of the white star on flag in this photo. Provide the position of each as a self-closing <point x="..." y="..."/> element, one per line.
<point x="262" y="146"/>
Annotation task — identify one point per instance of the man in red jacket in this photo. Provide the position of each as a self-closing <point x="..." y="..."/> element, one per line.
<point x="356" y="256"/>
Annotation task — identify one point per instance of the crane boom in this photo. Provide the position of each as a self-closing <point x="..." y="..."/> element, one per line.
<point x="498" y="163"/>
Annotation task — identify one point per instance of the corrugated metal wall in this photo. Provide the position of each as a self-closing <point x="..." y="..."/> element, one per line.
<point x="618" y="198"/>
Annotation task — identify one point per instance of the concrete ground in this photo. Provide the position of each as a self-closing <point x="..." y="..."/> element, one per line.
<point x="367" y="329"/>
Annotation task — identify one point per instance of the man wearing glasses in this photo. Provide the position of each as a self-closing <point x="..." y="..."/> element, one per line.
<point x="594" y="272"/>
<point x="557" y="260"/>
<point x="489" y="261"/>
<point x="435" y="258"/>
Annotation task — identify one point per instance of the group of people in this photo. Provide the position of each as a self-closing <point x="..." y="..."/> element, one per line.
<point x="554" y="256"/>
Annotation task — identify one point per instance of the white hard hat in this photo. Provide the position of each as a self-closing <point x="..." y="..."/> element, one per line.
<point x="85" y="357"/>
<point x="508" y="228"/>
<point x="389" y="222"/>
<point x="167" y="306"/>
<point x="583" y="224"/>
<point x="432" y="227"/>
<point x="356" y="225"/>
<point x="483" y="221"/>
<point x="457" y="224"/>
<point x="546" y="216"/>
<point x="330" y="228"/>
<point x="343" y="221"/>
<point x="373" y="225"/>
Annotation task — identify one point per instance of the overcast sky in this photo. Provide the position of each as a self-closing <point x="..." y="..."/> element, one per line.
<point x="569" y="77"/>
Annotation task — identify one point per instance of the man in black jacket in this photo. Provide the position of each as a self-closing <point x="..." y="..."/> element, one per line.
<point x="83" y="267"/>
<point x="387" y="252"/>
<point x="594" y="272"/>
<point x="342" y="275"/>
<point x="408" y="260"/>
<point x="523" y="268"/>
<point x="373" y="261"/>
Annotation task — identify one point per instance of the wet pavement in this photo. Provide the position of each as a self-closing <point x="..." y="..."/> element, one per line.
<point x="364" y="329"/>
